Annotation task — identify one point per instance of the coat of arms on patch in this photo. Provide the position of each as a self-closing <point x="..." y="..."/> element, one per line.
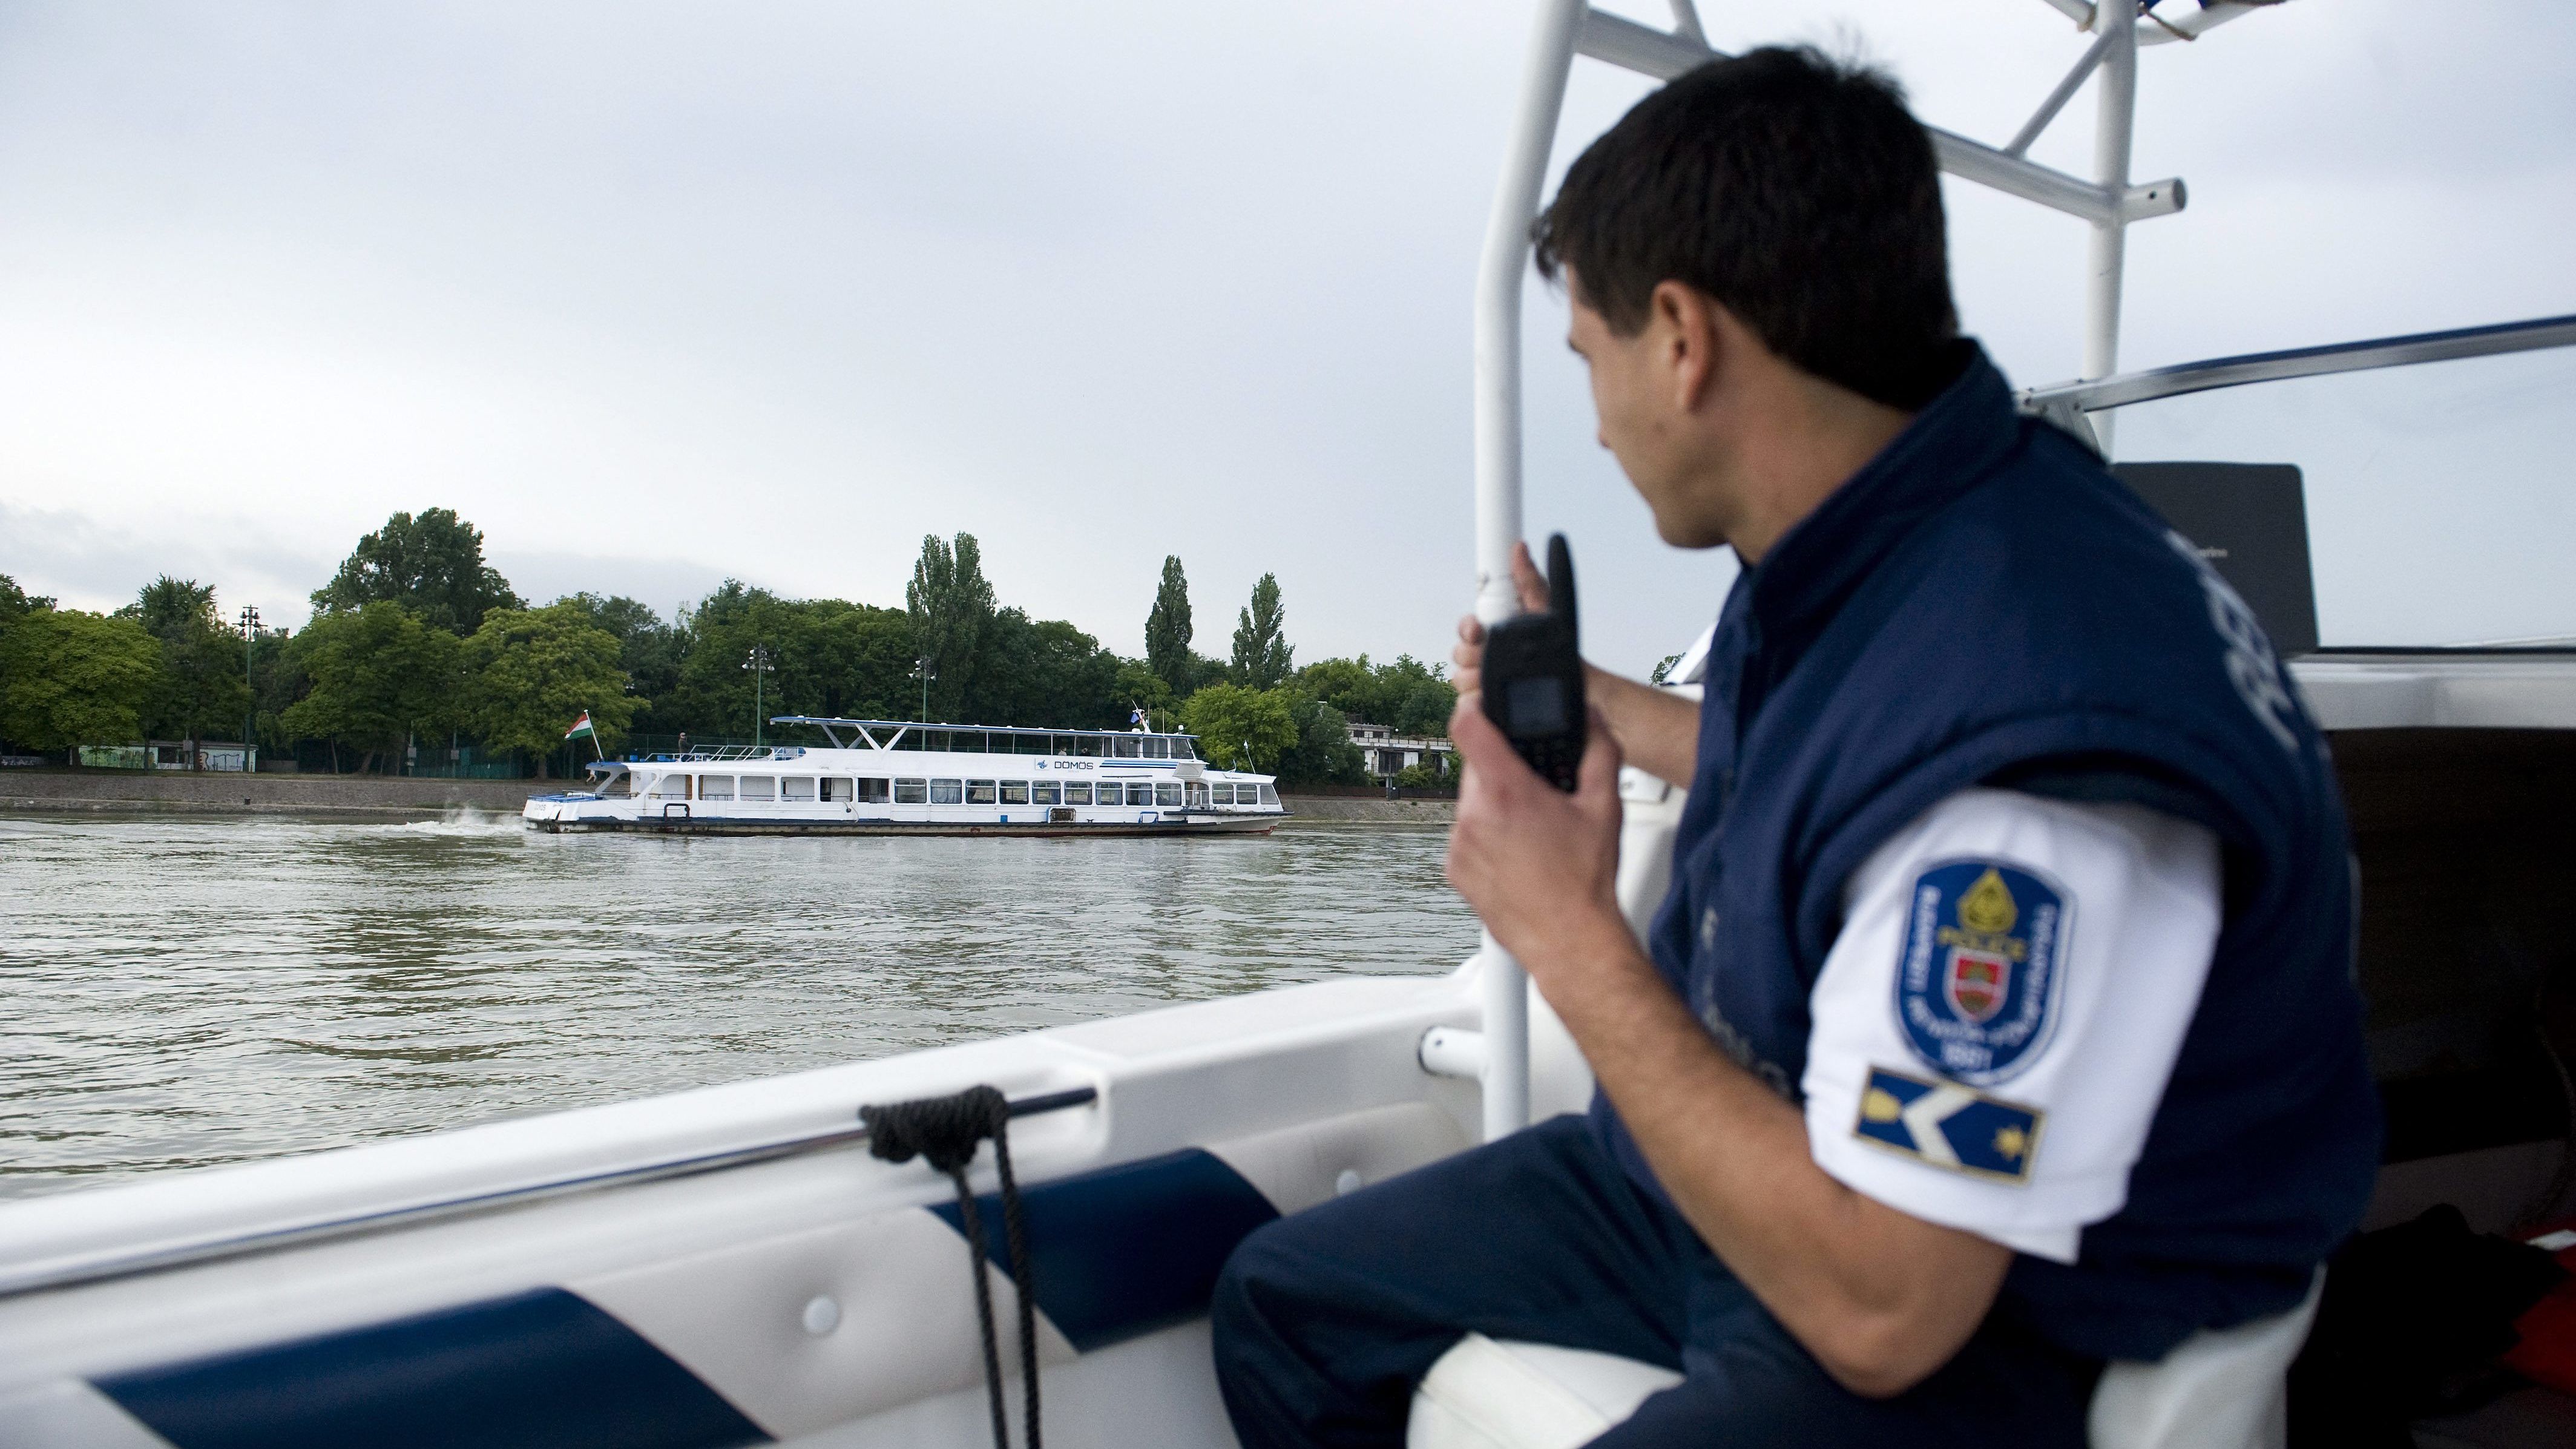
<point x="1977" y="986"/>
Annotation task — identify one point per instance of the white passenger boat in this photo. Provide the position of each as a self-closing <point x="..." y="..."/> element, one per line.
<point x="887" y="777"/>
<point x="731" y="1265"/>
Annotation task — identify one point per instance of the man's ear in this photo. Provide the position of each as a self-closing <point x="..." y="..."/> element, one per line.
<point x="1687" y="322"/>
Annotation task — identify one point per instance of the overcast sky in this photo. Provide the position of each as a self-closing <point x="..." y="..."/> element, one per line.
<point x="658" y="294"/>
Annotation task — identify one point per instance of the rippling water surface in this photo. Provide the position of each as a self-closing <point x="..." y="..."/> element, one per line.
<point x="185" y="990"/>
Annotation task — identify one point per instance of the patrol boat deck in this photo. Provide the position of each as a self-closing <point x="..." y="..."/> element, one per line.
<point x="888" y="777"/>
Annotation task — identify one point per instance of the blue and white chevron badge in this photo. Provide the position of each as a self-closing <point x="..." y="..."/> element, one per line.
<point x="1949" y="1126"/>
<point x="1982" y="971"/>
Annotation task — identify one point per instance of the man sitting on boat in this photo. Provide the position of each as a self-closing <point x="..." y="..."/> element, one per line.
<point x="1998" y="1022"/>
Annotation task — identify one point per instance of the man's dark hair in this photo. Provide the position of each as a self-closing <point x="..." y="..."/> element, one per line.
<point x="1794" y="189"/>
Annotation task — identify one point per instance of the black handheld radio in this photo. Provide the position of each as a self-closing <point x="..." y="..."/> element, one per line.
<point x="1533" y="677"/>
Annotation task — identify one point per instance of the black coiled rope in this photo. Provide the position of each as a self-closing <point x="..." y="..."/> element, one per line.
<point x="945" y="1131"/>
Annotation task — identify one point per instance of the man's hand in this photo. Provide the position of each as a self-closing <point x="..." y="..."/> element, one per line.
<point x="1658" y="732"/>
<point x="1882" y="1299"/>
<point x="1540" y="866"/>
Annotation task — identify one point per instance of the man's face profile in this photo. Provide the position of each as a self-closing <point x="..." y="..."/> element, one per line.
<point x="1638" y="399"/>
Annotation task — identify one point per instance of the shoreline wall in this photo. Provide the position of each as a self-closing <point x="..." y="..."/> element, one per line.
<point x="116" y="790"/>
<point x="254" y="794"/>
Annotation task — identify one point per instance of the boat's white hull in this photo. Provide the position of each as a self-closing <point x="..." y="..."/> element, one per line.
<point x="684" y="824"/>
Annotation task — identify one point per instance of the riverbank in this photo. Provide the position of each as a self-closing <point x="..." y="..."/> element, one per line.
<point x="404" y="796"/>
<point x="213" y="793"/>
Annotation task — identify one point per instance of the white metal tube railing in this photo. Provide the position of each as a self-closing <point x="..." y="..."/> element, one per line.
<point x="1618" y="41"/>
<point x="2108" y="251"/>
<point x="2069" y="401"/>
<point x="1499" y="280"/>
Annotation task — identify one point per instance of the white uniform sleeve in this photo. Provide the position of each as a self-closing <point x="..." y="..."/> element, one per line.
<point x="1995" y="1025"/>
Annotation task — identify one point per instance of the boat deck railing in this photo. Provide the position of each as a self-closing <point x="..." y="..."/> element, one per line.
<point x="722" y="754"/>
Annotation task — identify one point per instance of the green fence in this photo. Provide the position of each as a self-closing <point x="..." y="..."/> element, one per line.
<point x="465" y="763"/>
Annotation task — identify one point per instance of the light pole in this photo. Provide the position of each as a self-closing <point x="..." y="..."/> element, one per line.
<point x="922" y="671"/>
<point x="757" y="661"/>
<point x="250" y="689"/>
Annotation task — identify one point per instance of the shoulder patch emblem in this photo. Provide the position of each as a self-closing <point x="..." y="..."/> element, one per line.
<point x="1948" y="1126"/>
<point x="1978" y="984"/>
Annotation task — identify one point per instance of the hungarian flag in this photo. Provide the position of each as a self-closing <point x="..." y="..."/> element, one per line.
<point x="580" y="728"/>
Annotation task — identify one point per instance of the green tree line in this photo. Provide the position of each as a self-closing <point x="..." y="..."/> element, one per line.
<point x="418" y="641"/>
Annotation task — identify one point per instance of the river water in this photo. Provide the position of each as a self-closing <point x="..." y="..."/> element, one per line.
<point x="187" y="990"/>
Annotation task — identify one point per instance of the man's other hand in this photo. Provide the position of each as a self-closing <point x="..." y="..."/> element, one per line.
<point x="1655" y="731"/>
<point x="1469" y="656"/>
<point x="1540" y="866"/>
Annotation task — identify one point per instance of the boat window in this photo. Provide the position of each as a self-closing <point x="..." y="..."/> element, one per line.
<point x="1045" y="792"/>
<point x="1198" y="794"/>
<point x="947" y="792"/>
<point x="1140" y="793"/>
<point x="670" y="787"/>
<point x="1077" y="792"/>
<point x="1269" y="796"/>
<point x="796" y="787"/>
<point x="756" y="787"/>
<point x="1089" y="747"/>
<point x="874" y="791"/>
<point x="1181" y="750"/>
<point x="715" y="787"/>
<point x="1167" y="794"/>
<point x="1157" y="748"/>
<point x="980" y="792"/>
<point x="912" y="792"/>
<point x="2434" y="495"/>
<point x="1127" y="746"/>
<point x="836" y="791"/>
<point x="1015" y="792"/>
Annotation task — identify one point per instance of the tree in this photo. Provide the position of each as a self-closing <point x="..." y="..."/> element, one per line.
<point x="1323" y="754"/>
<point x="1138" y="687"/>
<point x="16" y="603"/>
<point x="531" y="672"/>
<point x="201" y="692"/>
<point x="1427" y="775"/>
<point x="951" y="605"/>
<point x="1412" y="697"/>
<point x="649" y="649"/>
<point x="829" y="658"/>
<point x="71" y="678"/>
<point x="1425" y="706"/>
<point x="1261" y="653"/>
<point x="1045" y="673"/>
<point x="1348" y="685"/>
<point x="1167" y="630"/>
<point x="378" y="675"/>
<point x="1239" y="728"/>
<point x="432" y="565"/>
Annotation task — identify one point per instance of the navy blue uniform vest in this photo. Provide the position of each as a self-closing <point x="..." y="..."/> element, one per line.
<point x="1984" y="604"/>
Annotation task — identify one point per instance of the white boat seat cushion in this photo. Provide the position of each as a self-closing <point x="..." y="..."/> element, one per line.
<point x="1485" y="1394"/>
<point x="2219" y="1390"/>
<point x="2227" y="1389"/>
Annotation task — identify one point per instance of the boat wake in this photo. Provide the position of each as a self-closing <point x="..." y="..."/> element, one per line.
<point x="467" y="821"/>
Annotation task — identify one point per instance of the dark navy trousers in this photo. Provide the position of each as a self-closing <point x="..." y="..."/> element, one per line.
<point x="1325" y="1321"/>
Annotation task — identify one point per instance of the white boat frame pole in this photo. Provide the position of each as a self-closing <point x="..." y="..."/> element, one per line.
<point x="2115" y="119"/>
<point x="1499" y="1055"/>
<point x="1499" y="280"/>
